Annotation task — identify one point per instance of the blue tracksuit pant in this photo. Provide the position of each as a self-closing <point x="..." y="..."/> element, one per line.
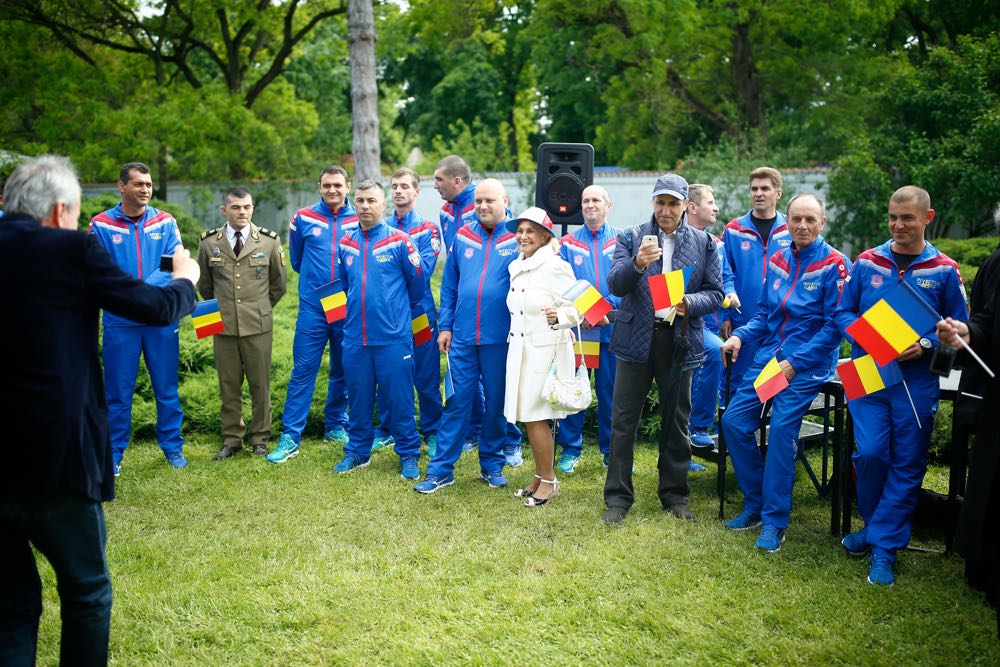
<point x="767" y="485"/>
<point x="468" y="364"/>
<point x="312" y="333"/>
<point x="705" y="386"/>
<point x="427" y="381"/>
<point x="160" y="348"/>
<point x="570" y="433"/>
<point x="891" y="458"/>
<point x="389" y="367"/>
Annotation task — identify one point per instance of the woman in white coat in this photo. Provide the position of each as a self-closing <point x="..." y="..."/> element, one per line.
<point x="539" y="334"/>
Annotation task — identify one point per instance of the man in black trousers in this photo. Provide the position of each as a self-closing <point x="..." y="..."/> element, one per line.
<point x="663" y="345"/>
<point x="57" y="453"/>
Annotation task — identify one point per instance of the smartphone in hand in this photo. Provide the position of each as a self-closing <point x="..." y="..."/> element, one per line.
<point x="167" y="263"/>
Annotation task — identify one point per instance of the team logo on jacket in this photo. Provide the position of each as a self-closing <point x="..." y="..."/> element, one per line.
<point x="382" y="259"/>
<point x="116" y="239"/>
<point x="927" y="284"/>
<point x="745" y="245"/>
<point x="415" y="258"/>
<point x="317" y="231"/>
<point x="876" y="280"/>
<point x="468" y="253"/>
<point x="783" y="242"/>
<point x="505" y="252"/>
<point x="349" y="260"/>
<point x="156" y="236"/>
<point x="777" y="284"/>
<point x="811" y="286"/>
<point x="435" y="244"/>
<point x="578" y="260"/>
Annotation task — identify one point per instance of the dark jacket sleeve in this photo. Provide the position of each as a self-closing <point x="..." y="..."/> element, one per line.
<point x="117" y="292"/>
<point x="623" y="276"/>
<point x="708" y="296"/>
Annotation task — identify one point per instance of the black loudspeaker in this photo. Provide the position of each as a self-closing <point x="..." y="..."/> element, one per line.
<point x="564" y="170"/>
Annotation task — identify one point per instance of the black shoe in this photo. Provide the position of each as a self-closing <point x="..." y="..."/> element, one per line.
<point x="615" y="515"/>
<point x="681" y="511"/>
<point x="260" y="450"/>
<point x="228" y="451"/>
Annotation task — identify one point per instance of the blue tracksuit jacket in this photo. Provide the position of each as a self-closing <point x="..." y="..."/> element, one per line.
<point x="313" y="236"/>
<point x="891" y="455"/>
<point x="457" y="213"/>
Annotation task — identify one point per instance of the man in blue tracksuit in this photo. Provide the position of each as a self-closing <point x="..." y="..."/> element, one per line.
<point x="796" y="326"/>
<point x="313" y="237"/>
<point x="474" y="323"/>
<point x="589" y="250"/>
<point x="427" y="358"/>
<point x="701" y="212"/>
<point x="748" y="243"/>
<point x="891" y="455"/>
<point x="136" y="235"/>
<point x="453" y="181"/>
<point x="381" y="275"/>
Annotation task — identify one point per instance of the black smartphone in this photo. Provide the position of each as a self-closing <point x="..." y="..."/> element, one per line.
<point x="943" y="360"/>
<point x="167" y="263"/>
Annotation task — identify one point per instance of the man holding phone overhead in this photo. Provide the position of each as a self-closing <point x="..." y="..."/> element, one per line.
<point x="658" y="343"/>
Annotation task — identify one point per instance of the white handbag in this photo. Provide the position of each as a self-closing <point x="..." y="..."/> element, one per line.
<point x="568" y="394"/>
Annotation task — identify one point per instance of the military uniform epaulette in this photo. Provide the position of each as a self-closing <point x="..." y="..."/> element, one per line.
<point x="268" y="232"/>
<point x="209" y="233"/>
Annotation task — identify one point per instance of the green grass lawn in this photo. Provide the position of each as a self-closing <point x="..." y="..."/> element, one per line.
<point x="243" y="562"/>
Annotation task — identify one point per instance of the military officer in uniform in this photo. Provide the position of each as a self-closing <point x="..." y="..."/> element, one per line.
<point x="242" y="266"/>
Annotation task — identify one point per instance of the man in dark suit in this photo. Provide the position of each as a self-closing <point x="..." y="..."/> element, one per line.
<point x="663" y="345"/>
<point x="58" y="463"/>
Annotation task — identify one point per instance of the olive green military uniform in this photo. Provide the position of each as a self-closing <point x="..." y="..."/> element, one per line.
<point x="247" y="288"/>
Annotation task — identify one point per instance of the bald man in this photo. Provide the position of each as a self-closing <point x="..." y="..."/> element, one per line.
<point x="474" y="322"/>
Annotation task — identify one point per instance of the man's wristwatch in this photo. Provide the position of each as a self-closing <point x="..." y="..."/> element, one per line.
<point x="925" y="345"/>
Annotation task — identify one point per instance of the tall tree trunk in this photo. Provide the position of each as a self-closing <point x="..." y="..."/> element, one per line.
<point x="364" y="90"/>
<point x="746" y="79"/>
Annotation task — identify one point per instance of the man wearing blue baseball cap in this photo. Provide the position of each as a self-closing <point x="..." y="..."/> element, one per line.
<point x="658" y="344"/>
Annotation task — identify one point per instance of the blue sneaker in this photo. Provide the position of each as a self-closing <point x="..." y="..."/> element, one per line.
<point x="701" y="438"/>
<point x="432" y="445"/>
<point x="770" y="540"/>
<point x="694" y="466"/>
<point x="408" y="468"/>
<point x="384" y="442"/>
<point x="432" y="483"/>
<point x="495" y="479"/>
<point x="177" y="460"/>
<point x="856" y="544"/>
<point x="880" y="573"/>
<point x="284" y="450"/>
<point x="745" y="520"/>
<point x="567" y="463"/>
<point x="118" y="469"/>
<point x="336" y="435"/>
<point x="513" y="455"/>
<point x="470" y="443"/>
<point x="352" y="462"/>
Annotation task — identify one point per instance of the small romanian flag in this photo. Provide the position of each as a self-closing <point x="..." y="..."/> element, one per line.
<point x="862" y="376"/>
<point x="771" y="381"/>
<point x="895" y="322"/>
<point x="333" y="299"/>
<point x="421" y="329"/>
<point x="449" y="382"/>
<point x="588" y="301"/>
<point x="590" y="341"/>
<point x="207" y="319"/>
<point x="667" y="289"/>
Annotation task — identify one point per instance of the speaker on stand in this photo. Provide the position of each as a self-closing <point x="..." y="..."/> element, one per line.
<point x="564" y="170"/>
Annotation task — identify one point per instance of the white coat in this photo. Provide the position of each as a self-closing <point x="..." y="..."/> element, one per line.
<point x="537" y="282"/>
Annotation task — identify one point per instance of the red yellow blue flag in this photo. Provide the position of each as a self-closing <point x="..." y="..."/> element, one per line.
<point x="667" y="289"/>
<point x="771" y="381"/>
<point x="207" y="319"/>
<point x="588" y="301"/>
<point x="421" y="327"/>
<point x="862" y="376"/>
<point x="590" y="345"/>
<point x="893" y="323"/>
<point x="333" y="299"/>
